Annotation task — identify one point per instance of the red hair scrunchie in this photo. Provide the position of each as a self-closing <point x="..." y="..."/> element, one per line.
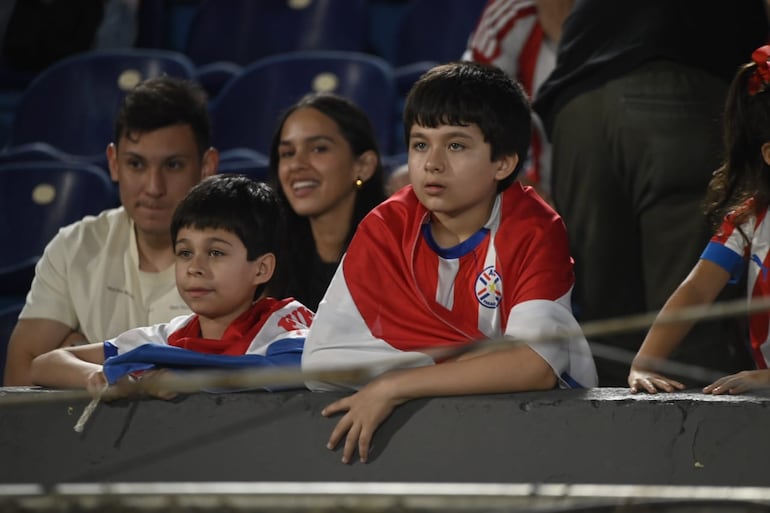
<point x="761" y="77"/>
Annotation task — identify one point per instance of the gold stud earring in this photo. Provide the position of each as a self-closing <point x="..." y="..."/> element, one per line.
<point x="359" y="182"/>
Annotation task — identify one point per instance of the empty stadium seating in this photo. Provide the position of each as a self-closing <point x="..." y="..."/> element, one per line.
<point x="72" y="104"/>
<point x="36" y="199"/>
<point x="247" y="110"/>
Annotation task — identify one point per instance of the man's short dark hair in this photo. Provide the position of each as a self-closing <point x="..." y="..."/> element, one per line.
<point x="161" y="102"/>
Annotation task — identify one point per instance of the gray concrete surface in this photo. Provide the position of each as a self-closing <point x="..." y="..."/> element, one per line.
<point x="595" y="436"/>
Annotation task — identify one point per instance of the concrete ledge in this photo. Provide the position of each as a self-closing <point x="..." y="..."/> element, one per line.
<point x="595" y="436"/>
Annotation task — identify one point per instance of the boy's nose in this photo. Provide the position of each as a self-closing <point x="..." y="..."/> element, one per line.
<point x="195" y="267"/>
<point x="434" y="161"/>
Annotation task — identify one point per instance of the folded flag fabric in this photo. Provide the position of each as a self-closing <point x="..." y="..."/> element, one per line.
<point x="283" y="353"/>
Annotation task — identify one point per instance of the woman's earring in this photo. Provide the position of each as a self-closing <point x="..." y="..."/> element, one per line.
<point x="359" y="182"/>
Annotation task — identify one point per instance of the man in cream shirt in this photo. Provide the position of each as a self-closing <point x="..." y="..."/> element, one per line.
<point x="109" y="273"/>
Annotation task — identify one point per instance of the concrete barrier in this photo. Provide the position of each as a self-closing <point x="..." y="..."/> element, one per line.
<point x="594" y="436"/>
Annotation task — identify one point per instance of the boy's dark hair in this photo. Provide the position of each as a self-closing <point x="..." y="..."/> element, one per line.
<point x="463" y="93"/>
<point x="161" y="102"/>
<point x="237" y="204"/>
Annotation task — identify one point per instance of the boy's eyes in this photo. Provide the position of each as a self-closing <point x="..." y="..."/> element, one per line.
<point x="454" y="146"/>
<point x="186" y="253"/>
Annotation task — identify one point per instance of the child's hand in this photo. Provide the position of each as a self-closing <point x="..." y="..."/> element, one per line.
<point x="651" y="382"/>
<point x="148" y="379"/>
<point x="366" y="410"/>
<point x="96" y="383"/>
<point x="739" y="383"/>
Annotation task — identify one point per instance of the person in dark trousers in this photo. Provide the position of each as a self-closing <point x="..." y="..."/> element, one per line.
<point x="633" y="111"/>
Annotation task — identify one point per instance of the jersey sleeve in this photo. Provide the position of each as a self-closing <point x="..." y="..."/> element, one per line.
<point x="133" y="338"/>
<point x="540" y="311"/>
<point x="282" y="336"/>
<point x="340" y="339"/>
<point x="730" y="245"/>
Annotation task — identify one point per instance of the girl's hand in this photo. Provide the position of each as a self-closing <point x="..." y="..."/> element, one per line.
<point x="651" y="382"/>
<point x="366" y="410"/>
<point x="739" y="383"/>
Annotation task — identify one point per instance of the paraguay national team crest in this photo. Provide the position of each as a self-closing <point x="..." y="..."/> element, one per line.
<point x="489" y="287"/>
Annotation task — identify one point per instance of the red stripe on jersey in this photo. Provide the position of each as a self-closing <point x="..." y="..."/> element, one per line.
<point x="391" y="274"/>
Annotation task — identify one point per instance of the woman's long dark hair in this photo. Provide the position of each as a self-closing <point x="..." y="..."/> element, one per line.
<point x="294" y="269"/>
<point x="743" y="174"/>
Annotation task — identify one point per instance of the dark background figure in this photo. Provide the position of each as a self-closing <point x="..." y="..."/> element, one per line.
<point x="633" y="110"/>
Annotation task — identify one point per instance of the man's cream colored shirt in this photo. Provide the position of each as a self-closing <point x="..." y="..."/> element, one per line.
<point x="89" y="279"/>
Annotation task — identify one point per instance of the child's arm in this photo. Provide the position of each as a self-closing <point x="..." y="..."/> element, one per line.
<point x="69" y="367"/>
<point x="744" y="381"/>
<point x="702" y="286"/>
<point x="511" y="370"/>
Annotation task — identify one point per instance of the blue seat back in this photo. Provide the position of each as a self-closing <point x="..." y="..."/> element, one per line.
<point x="451" y="23"/>
<point x="243" y="31"/>
<point x="36" y="199"/>
<point x="248" y="109"/>
<point x="245" y="161"/>
<point x="72" y="104"/>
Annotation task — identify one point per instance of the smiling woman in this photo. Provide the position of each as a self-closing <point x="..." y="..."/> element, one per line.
<point x="326" y="165"/>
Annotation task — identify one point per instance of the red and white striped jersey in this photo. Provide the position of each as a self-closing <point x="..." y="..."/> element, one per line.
<point x="397" y="295"/>
<point x="731" y="250"/>
<point x="509" y="36"/>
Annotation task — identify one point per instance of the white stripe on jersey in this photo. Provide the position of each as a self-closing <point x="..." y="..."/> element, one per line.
<point x="447" y="274"/>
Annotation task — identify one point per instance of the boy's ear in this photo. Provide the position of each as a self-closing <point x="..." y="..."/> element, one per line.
<point x="366" y="164"/>
<point x="210" y="162"/>
<point x="112" y="160"/>
<point x="505" y="166"/>
<point x="766" y="153"/>
<point x="265" y="268"/>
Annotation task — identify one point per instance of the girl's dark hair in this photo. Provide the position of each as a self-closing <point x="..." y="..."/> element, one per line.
<point x="300" y="248"/>
<point x="237" y="204"/>
<point x="743" y="174"/>
<point x="461" y="93"/>
<point x="165" y="101"/>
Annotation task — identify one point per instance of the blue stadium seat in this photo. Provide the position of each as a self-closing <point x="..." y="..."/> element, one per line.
<point x="214" y="77"/>
<point x="243" y="31"/>
<point x="9" y="314"/>
<point x="417" y="49"/>
<point x="452" y="22"/>
<point x="72" y="104"/>
<point x="245" y="161"/>
<point x="36" y="199"/>
<point x="32" y="152"/>
<point x="247" y="110"/>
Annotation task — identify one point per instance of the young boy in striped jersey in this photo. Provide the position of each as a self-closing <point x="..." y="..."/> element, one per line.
<point x="226" y="233"/>
<point x="463" y="254"/>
